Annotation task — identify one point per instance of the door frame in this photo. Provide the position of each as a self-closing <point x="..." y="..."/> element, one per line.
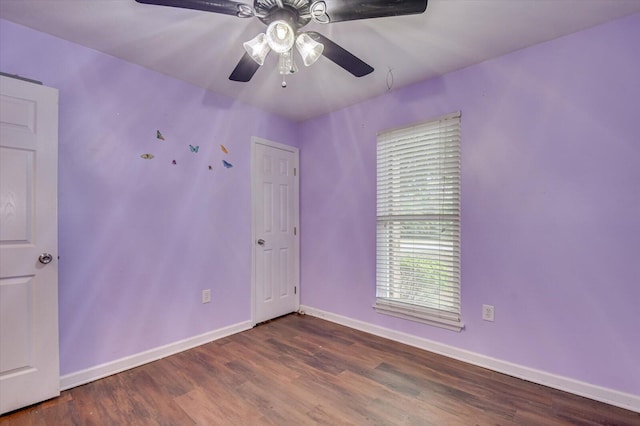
<point x="296" y="219"/>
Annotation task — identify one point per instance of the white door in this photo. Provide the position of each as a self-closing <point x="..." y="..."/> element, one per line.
<point x="29" y="368"/>
<point x="275" y="230"/>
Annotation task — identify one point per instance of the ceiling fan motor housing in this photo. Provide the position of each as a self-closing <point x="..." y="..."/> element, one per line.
<point x="294" y="12"/>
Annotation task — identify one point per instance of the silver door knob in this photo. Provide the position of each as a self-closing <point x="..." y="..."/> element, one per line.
<point x="261" y="242"/>
<point x="45" y="258"/>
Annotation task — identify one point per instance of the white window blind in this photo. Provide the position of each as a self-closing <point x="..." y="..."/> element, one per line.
<point x="418" y="222"/>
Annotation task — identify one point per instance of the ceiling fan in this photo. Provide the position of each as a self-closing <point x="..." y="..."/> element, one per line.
<point x="284" y="19"/>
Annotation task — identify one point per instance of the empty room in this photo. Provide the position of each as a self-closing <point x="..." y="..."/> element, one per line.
<point x="333" y="212"/>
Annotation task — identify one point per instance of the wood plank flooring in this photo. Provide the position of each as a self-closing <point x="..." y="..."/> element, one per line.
<point x="300" y="370"/>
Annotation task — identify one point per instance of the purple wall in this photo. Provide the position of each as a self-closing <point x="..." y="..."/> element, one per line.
<point x="139" y="239"/>
<point x="550" y="204"/>
<point x="551" y="154"/>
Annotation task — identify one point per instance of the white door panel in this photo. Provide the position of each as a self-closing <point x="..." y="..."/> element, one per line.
<point x="29" y="370"/>
<point x="275" y="209"/>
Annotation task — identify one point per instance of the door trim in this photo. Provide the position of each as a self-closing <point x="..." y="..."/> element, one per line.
<point x="254" y="182"/>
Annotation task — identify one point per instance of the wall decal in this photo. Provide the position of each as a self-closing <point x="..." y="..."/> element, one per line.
<point x="224" y="149"/>
<point x="194" y="149"/>
<point x="159" y="135"/>
<point x="174" y="162"/>
<point x="227" y="164"/>
<point x="147" y="156"/>
<point x="210" y="168"/>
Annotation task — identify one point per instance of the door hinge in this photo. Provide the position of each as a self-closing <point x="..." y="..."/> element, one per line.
<point x="295" y="290"/>
<point x="295" y="171"/>
<point x="295" y="230"/>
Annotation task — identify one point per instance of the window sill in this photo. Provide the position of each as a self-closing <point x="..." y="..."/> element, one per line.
<point x="417" y="314"/>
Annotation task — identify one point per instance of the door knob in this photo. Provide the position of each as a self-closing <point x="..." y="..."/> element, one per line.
<point x="45" y="258"/>
<point x="261" y="242"/>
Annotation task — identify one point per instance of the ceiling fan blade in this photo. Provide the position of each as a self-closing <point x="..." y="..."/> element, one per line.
<point x="325" y="11"/>
<point x="227" y="7"/>
<point x="341" y="57"/>
<point x="245" y="69"/>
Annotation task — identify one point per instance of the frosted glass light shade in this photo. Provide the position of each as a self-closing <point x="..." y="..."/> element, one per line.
<point x="280" y="36"/>
<point x="309" y="49"/>
<point x="257" y="48"/>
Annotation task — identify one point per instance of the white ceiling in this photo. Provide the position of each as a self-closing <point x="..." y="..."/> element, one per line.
<point x="203" y="48"/>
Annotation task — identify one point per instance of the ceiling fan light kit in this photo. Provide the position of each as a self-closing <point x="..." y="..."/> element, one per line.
<point x="257" y="48"/>
<point x="284" y="19"/>
<point x="309" y="49"/>
<point x="280" y="36"/>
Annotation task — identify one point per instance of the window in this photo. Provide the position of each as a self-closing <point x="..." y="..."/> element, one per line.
<point x="418" y="223"/>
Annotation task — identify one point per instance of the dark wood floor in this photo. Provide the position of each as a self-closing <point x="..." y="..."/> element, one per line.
<point x="300" y="370"/>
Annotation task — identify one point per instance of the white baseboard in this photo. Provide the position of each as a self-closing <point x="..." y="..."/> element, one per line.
<point x="598" y="393"/>
<point x="103" y="370"/>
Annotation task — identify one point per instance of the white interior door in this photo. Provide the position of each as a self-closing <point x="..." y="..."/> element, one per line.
<point x="275" y="230"/>
<point x="29" y="366"/>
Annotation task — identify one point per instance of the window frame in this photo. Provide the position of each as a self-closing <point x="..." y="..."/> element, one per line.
<point x="409" y="221"/>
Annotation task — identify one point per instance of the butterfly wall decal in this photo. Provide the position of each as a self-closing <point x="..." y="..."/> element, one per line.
<point x="194" y="149"/>
<point x="174" y="162"/>
<point x="224" y="149"/>
<point x="226" y="164"/>
<point x="159" y="135"/>
<point x="147" y="156"/>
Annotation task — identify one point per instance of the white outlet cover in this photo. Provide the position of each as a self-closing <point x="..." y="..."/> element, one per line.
<point x="488" y="312"/>
<point x="206" y="296"/>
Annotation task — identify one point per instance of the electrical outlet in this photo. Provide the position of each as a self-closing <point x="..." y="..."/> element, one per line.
<point x="487" y="312"/>
<point x="206" y="295"/>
